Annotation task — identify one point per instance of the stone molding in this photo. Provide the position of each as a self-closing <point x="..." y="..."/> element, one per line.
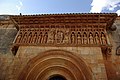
<point x="56" y="62"/>
<point x="63" y="30"/>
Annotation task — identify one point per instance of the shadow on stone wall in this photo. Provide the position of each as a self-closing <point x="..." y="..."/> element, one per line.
<point x="6" y="39"/>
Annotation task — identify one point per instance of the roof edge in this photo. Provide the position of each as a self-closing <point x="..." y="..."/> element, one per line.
<point x="65" y="14"/>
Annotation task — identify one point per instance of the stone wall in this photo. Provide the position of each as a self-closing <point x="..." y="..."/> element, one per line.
<point x="91" y="55"/>
<point x="112" y="61"/>
<point x="7" y="35"/>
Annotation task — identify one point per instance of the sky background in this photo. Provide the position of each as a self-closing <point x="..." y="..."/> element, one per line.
<point x="15" y="7"/>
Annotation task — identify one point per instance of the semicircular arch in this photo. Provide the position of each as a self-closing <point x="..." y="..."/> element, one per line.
<point x="54" y="61"/>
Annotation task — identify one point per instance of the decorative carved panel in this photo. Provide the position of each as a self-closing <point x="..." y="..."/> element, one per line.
<point x="79" y="36"/>
<point x="64" y="30"/>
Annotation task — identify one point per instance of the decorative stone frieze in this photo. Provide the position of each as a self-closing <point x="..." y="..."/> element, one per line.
<point x="64" y="30"/>
<point x="80" y="36"/>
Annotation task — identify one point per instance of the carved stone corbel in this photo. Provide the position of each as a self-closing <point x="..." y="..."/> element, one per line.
<point x="107" y="50"/>
<point x="118" y="50"/>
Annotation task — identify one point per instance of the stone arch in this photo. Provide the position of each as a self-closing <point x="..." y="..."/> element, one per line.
<point x="56" y="62"/>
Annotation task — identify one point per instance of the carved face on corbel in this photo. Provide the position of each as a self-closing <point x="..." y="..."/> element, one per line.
<point x="118" y="50"/>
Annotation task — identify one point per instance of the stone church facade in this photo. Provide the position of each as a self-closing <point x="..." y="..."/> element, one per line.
<point x="83" y="46"/>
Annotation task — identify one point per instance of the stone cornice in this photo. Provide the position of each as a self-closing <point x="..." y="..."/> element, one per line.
<point x="71" y="18"/>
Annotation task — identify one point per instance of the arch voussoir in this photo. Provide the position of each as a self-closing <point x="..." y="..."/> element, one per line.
<point x="54" y="62"/>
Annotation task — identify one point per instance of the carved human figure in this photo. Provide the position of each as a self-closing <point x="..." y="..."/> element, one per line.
<point x="66" y="37"/>
<point x="51" y="37"/>
<point x="59" y="37"/>
<point x="103" y="39"/>
<point x="39" y="38"/>
<point x="34" y="38"/>
<point x="91" y="38"/>
<point x="29" y="37"/>
<point x="45" y="37"/>
<point x="97" y="41"/>
<point x="85" y="41"/>
<point x="79" y="40"/>
<point x="24" y="38"/>
<point x="18" y="38"/>
<point x="73" y="38"/>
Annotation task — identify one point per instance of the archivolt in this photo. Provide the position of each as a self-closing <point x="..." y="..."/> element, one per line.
<point x="56" y="62"/>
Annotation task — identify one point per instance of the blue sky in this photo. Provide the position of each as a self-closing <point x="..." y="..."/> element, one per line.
<point x="58" y="6"/>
